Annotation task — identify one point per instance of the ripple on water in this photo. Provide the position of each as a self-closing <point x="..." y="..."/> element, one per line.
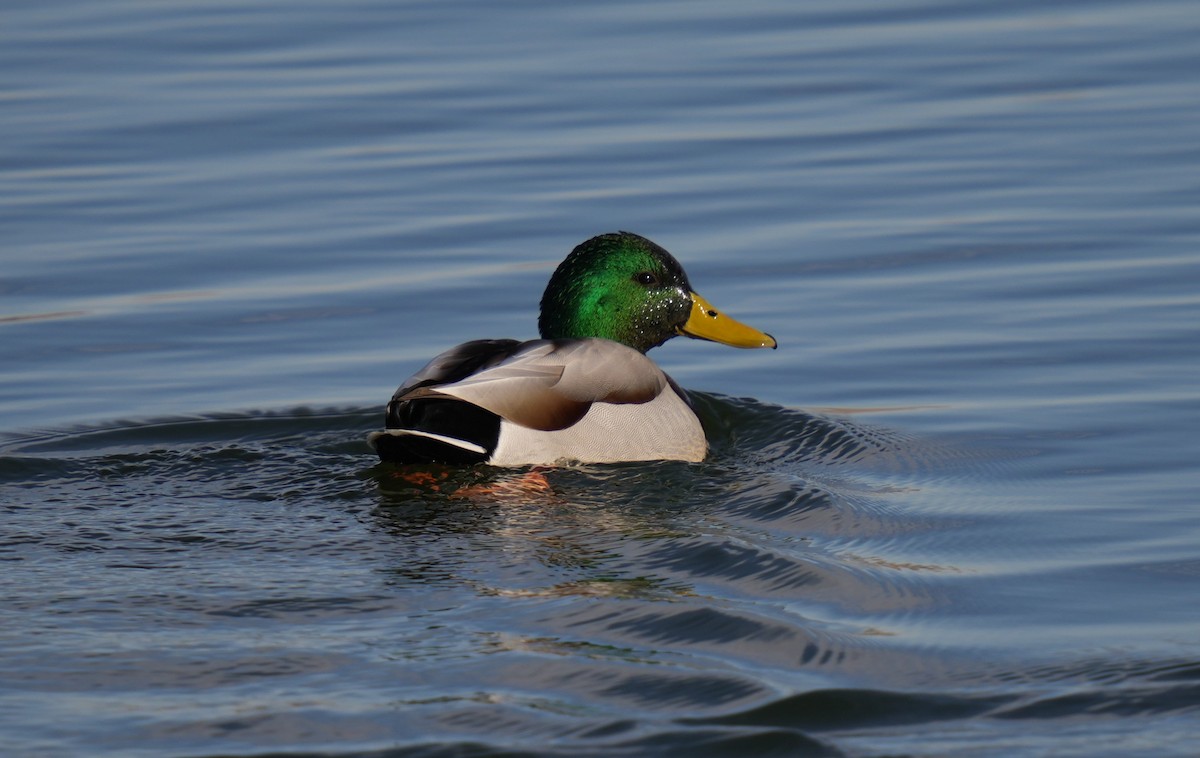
<point x="738" y="602"/>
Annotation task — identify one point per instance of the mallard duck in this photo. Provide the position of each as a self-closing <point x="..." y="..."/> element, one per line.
<point x="584" y="392"/>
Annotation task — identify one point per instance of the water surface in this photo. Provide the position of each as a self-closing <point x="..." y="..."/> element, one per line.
<point x="954" y="514"/>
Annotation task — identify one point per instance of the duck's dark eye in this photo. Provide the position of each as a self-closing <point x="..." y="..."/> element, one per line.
<point x="645" y="278"/>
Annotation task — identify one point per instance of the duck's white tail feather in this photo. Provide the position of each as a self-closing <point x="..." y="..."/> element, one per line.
<point x="462" y="444"/>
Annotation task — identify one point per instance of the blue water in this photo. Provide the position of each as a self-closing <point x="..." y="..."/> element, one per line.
<point x="954" y="514"/>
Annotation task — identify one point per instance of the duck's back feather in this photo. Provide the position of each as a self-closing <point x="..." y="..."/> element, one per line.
<point x="550" y="384"/>
<point x="540" y="401"/>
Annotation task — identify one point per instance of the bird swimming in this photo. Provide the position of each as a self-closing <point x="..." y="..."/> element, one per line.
<point x="585" y="391"/>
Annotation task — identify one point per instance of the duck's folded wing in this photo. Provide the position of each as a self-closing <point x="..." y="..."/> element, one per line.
<point x="459" y="362"/>
<point x="551" y="384"/>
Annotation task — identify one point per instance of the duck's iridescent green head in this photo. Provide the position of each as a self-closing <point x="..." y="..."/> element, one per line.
<point x="625" y="288"/>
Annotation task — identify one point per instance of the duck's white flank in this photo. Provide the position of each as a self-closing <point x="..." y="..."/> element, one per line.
<point x="664" y="428"/>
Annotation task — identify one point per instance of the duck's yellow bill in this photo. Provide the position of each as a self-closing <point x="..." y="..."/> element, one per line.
<point x="707" y="323"/>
